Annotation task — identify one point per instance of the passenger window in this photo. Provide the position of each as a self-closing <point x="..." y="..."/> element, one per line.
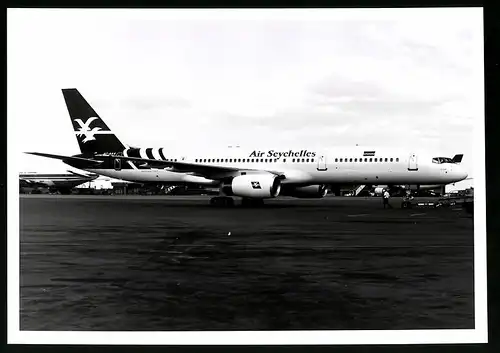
<point x="386" y="160"/>
<point x="336" y="159"/>
<point x="284" y="160"/>
<point x="391" y="159"/>
<point x="341" y="159"/>
<point x="355" y="160"/>
<point x="239" y="159"/>
<point x="293" y="160"/>
<point x="261" y="160"/>
<point x="371" y="159"/>
<point x="312" y="160"/>
<point x="375" y="159"/>
<point x="252" y="160"/>
<point x="350" y="159"/>
<point x="397" y="159"/>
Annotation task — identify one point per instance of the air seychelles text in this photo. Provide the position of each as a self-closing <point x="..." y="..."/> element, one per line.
<point x="278" y="154"/>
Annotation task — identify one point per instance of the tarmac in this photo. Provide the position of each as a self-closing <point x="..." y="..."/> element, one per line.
<point x="175" y="263"/>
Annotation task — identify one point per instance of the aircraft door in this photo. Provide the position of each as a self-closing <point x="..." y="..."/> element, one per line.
<point x="412" y="162"/>
<point x="322" y="163"/>
<point x="117" y="163"/>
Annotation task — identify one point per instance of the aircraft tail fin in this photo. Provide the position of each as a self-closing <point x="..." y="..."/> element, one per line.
<point x="92" y="133"/>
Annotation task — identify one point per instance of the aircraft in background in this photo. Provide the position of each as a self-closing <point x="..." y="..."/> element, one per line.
<point x="55" y="182"/>
<point x="254" y="174"/>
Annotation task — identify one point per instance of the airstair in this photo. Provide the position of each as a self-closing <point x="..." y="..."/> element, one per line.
<point x="170" y="189"/>
<point x="359" y="189"/>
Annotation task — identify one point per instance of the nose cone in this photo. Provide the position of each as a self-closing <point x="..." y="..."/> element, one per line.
<point x="459" y="173"/>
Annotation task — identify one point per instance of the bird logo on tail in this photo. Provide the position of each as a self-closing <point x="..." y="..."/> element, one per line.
<point x="85" y="129"/>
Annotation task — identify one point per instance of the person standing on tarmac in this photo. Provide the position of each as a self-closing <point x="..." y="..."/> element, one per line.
<point x="386" y="197"/>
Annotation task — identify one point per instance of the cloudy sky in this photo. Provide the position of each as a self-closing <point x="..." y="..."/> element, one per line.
<point x="195" y="79"/>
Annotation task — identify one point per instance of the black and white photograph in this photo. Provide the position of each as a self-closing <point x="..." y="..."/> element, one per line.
<point x="246" y="176"/>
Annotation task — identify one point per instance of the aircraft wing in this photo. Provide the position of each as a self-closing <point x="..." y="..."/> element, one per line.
<point x="207" y="171"/>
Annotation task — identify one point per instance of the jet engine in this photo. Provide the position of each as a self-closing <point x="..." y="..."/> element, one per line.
<point x="260" y="186"/>
<point x="378" y="191"/>
<point x="311" y="191"/>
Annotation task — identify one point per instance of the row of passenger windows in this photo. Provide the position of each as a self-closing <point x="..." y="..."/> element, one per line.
<point x="366" y="159"/>
<point x="294" y="160"/>
<point x="252" y="160"/>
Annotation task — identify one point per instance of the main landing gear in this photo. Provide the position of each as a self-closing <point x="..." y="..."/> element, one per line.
<point x="222" y="201"/>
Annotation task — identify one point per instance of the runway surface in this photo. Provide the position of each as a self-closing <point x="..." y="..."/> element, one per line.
<point x="175" y="263"/>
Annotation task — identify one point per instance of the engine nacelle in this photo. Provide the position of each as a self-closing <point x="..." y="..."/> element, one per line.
<point x="378" y="191"/>
<point x="259" y="186"/>
<point x="311" y="191"/>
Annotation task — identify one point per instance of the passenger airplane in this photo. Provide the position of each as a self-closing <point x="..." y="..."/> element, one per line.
<point x="55" y="182"/>
<point x="254" y="174"/>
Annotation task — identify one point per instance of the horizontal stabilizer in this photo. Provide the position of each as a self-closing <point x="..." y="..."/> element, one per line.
<point x="56" y="156"/>
<point x="457" y="158"/>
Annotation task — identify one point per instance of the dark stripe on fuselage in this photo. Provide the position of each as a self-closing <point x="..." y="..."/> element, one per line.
<point x="160" y="151"/>
<point x="149" y="153"/>
<point x="134" y="152"/>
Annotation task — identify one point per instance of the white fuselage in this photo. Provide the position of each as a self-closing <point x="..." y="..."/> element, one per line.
<point x="304" y="166"/>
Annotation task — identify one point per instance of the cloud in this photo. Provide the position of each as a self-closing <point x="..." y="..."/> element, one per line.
<point x="151" y="103"/>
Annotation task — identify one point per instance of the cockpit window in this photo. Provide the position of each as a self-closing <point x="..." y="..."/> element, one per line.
<point x="441" y="160"/>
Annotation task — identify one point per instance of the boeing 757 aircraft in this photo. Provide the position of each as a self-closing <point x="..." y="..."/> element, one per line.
<point x="254" y="174"/>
